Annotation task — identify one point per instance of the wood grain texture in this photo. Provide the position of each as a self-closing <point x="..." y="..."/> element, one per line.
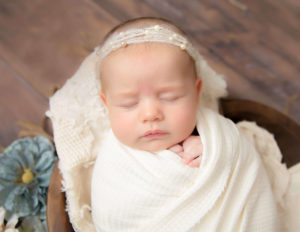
<point x="18" y="101"/>
<point x="45" y="41"/>
<point x="256" y="49"/>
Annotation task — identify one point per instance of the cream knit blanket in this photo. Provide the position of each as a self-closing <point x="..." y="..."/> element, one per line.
<point x="134" y="190"/>
<point x="212" y="194"/>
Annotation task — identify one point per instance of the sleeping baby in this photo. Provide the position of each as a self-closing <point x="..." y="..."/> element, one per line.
<point x="142" y="146"/>
<point x="148" y="176"/>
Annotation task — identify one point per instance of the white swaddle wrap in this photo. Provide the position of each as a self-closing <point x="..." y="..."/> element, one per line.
<point x="134" y="190"/>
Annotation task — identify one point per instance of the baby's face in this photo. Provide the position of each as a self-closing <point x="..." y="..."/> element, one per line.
<point x="151" y="93"/>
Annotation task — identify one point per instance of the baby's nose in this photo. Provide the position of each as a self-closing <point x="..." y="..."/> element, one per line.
<point x="151" y="111"/>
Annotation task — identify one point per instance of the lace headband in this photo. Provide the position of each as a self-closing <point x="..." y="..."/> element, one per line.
<point x="213" y="85"/>
<point x="157" y="33"/>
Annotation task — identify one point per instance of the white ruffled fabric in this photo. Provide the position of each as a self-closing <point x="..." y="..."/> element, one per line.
<point x="80" y="126"/>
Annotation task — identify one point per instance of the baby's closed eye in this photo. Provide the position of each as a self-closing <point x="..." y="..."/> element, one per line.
<point x="127" y="103"/>
<point x="170" y="96"/>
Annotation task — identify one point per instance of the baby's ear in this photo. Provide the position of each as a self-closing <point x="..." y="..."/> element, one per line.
<point x="102" y="97"/>
<point x="198" y="86"/>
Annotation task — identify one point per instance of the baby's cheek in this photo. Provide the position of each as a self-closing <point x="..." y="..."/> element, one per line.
<point x="185" y="122"/>
<point x="122" y="126"/>
<point x="186" y="116"/>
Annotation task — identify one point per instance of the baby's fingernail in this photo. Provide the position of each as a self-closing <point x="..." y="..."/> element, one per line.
<point x="186" y="161"/>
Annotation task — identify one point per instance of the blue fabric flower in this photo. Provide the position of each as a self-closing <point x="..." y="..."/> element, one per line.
<point x="25" y="169"/>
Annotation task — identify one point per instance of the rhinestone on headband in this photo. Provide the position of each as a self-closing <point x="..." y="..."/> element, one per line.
<point x="156" y="33"/>
<point x="213" y="85"/>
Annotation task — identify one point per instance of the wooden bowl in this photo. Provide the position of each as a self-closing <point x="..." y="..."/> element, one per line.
<point x="285" y="130"/>
<point x="57" y="217"/>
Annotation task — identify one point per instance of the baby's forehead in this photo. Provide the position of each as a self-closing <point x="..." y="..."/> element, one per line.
<point x="152" y="50"/>
<point x="139" y="58"/>
<point x="146" y="60"/>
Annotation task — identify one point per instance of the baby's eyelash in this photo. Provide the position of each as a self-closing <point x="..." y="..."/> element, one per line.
<point x="128" y="105"/>
<point x="170" y="97"/>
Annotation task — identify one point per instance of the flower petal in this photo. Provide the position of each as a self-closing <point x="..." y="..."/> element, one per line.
<point x="8" y="168"/>
<point x="22" y="206"/>
<point x="45" y="162"/>
<point x="44" y="179"/>
<point x="4" y="184"/>
<point x="43" y="144"/>
<point x="34" y="224"/>
<point x="10" y="198"/>
<point x="5" y="192"/>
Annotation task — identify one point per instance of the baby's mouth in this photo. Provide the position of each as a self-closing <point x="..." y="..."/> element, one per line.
<point x="153" y="134"/>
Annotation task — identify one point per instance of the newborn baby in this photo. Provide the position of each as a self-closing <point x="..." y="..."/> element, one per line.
<point x="151" y="87"/>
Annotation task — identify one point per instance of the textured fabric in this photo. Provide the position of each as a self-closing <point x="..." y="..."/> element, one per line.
<point x="80" y="124"/>
<point x="285" y="182"/>
<point x="134" y="190"/>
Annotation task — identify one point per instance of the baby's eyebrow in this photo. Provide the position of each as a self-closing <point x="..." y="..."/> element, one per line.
<point x="129" y="94"/>
<point x="161" y="89"/>
<point x="170" y="88"/>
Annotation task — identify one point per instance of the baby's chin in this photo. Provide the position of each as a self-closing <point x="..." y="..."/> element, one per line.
<point x="154" y="146"/>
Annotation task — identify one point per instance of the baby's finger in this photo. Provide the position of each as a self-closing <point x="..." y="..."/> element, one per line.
<point x="195" y="163"/>
<point x="177" y="149"/>
<point x="190" y="154"/>
<point x="188" y="159"/>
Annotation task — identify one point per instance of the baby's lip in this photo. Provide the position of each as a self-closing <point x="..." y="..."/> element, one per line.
<point x="155" y="133"/>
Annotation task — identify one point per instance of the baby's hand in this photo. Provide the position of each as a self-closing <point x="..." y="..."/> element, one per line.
<point x="190" y="151"/>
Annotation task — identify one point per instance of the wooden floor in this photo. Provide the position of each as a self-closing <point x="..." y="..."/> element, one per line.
<point x="255" y="44"/>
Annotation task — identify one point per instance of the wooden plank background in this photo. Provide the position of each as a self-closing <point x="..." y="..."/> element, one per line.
<point x="255" y="44"/>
